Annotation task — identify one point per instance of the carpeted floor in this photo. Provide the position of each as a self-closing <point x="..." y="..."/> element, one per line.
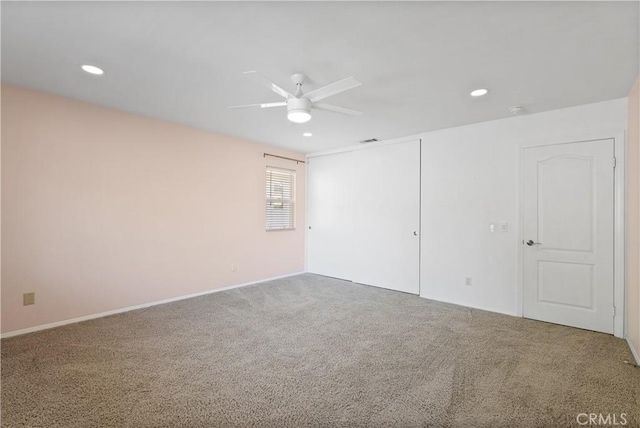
<point x="310" y="351"/>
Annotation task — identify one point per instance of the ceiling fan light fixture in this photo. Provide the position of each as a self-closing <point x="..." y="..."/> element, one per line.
<point x="298" y="110"/>
<point x="299" y="116"/>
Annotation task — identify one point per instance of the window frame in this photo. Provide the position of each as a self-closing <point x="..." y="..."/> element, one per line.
<point x="270" y="200"/>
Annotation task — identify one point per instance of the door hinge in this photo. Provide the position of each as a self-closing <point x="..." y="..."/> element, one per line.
<point x="614" y="162"/>
<point x="614" y="311"/>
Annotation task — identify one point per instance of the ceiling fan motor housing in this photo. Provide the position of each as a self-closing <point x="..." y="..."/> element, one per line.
<point x="298" y="104"/>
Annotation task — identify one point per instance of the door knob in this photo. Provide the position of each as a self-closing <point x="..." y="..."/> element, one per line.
<point x="415" y="233"/>
<point x="531" y="243"/>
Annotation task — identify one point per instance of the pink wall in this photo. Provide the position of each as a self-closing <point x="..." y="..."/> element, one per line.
<point x="633" y="218"/>
<point x="103" y="209"/>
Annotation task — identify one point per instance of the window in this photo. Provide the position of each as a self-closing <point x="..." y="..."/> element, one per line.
<point x="281" y="191"/>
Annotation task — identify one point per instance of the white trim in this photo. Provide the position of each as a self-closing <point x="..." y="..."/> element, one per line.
<point x="520" y="237"/>
<point x="620" y="235"/>
<point x="306" y="215"/>
<point x="420" y="218"/>
<point x="619" y="220"/>
<point x="635" y="353"/>
<point x="133" y="308"/>
<point x="365" y="146"/>
<point x="465" y="305"/>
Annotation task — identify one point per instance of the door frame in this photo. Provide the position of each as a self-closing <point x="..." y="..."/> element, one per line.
<point x="619" y="224"/>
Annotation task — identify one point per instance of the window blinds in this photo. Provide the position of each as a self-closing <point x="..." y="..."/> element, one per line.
<point x="280" y="198"/>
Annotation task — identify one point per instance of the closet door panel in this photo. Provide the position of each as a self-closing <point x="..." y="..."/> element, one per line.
<point x="386" y="217"/>
<point x="330" y="215"/>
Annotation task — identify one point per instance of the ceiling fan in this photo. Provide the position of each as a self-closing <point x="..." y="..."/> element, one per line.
<point x="299" y="105"/>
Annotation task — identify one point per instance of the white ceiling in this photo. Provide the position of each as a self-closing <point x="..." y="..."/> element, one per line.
<point x="417" y="61"/>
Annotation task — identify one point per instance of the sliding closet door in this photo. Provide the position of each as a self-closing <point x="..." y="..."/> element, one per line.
<point x="329" y="218"/>
<point x="386" y="209"/>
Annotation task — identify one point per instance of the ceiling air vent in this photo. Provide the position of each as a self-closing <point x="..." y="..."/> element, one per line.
<point x="370" y="140"/>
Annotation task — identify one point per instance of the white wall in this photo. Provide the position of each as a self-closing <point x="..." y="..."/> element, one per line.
<point x="470" y="178"/>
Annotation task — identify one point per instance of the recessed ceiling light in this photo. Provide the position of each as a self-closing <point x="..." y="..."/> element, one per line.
<point x="479" y="92"/>
<point x="92" y="69"/>
<point x="307" y="134"/>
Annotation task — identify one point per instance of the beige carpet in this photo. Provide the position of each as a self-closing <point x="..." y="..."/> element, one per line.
<point x="310" y="351"/>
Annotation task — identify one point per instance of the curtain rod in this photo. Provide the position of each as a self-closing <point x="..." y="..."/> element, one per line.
<point x="297" y="161"/>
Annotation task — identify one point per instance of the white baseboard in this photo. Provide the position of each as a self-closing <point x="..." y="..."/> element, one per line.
<point x="512" y="314"/>
<point x="133" y="308"/>
<point x="635" y="353"/>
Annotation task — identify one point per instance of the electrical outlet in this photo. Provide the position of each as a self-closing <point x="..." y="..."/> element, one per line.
<point x="467" y="281"/>
<point x="29" y="299"/>
<point x="234" y="267"/>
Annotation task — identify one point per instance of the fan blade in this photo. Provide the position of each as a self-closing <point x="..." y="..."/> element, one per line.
<point x="263" y="105"/>
<point x="275" y="88"/>
<point x="329" y="107"/>
<point x="332" y="89"/>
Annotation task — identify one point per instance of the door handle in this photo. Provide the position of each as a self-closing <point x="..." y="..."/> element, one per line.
<point x="531" y="243"/>
<point x="415" y="233"/>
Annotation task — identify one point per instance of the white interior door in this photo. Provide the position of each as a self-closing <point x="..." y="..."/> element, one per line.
<point x="329" y="215"/>
<point x="568" y="192"/>
<point x="386" y="208"/>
